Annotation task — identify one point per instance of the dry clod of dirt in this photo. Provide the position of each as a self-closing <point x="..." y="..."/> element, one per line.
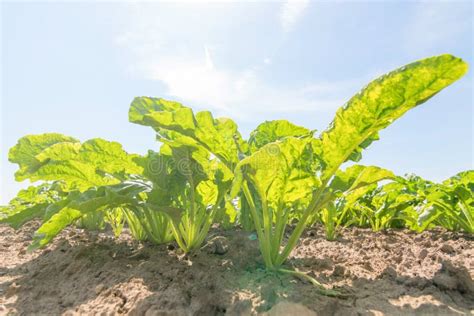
<point x="218" y="245"/>
<point x="338" y="271"/>
<point x="422" y="254"/>
<point x="385" y="273"/>
<point x="446" y="248"/>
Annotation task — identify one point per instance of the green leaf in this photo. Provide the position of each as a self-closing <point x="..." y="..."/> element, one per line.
<point x="54" y="226"/>
<point x="207" y="193"/>
<point x="77" y="204"/>
<point x="78" y="175"/>
<point x="380" y="103"/>
<point x="271" y="131"/>
<point x="35" y="194"/>
<point x="227" y="215"/>
<point x="428" y="213"/>
<point x="142" y="106"/>
<point x="465" y="178"/>
<point x="175" y="122"/>
<point x="25" y="151"/>
<point x="281" y="172"/>
<point x="355" y="182"/>
<point x="17" y="219"/>
<point x="31" y="203"/>
<point x="80" y="166"/>
<point x="358" y="176"/>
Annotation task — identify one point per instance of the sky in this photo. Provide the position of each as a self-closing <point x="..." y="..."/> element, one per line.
<point x="74" y="68"/>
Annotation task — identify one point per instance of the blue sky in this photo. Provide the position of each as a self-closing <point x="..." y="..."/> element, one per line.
<point x="74" y="68"/>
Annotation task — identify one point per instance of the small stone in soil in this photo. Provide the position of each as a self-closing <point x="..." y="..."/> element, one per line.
<point x="99" y="288"/>
<point x="338" y="271"/>
<point x="389" y="272"/>
<point x="446" y="248"/>
<point x="218" y="246"/>
<point x="368" y="266"/>
<point x="324" y="264"/>
<point x="398" y="258"/>
<point x="423" y="253"/>
<point x="12" y="290"/>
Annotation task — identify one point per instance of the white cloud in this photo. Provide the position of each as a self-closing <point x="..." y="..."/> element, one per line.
<point x="242" y="94"/>
<point x="291" y="12"/>
<point x="196" y="73"/>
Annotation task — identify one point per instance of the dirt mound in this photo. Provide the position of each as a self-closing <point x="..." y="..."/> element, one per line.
<point x="394" y="273"/>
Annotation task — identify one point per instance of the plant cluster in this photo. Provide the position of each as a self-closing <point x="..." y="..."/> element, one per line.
<point x="206" y="173"/>
<point x="405" y="202"/>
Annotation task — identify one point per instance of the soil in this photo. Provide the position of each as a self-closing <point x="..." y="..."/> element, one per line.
<point x="380" y="273"/>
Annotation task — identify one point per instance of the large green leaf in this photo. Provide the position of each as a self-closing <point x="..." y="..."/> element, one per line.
<point x="180" y="172"/>
<point x="189" y="186"/>
<point x="35" y="194"/>
<point x="143" y="106"/>
<point x="80" y="166"/>
<point x="280" y="172"/>
<point x="380" y="103"/>
<point x="465" y="178"/>
<point x="459" y="191"/>
<point x="358" y="176"/>
<point x="77" y="204"/>
<point x="271" y="131"/>
<point x="193" y="166"/>
<point x="54" y="226"/>
<point x="31" y="203"/>
<point x="176" y="122"/>
<point x="25" y="151"/>
<point x="24" y="215"/>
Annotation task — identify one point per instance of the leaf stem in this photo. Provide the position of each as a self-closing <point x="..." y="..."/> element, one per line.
<point x="321" y="289"/>
<point x="258" y="226"/>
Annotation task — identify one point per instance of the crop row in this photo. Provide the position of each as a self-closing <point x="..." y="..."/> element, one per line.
<point x="206" y="173"/>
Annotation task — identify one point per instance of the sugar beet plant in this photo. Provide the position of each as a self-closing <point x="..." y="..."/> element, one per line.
<point x="204" y="172"/>
<point x="403" y="202"/>
<point x="303" y="173"/>
<point x="412" y="202"/>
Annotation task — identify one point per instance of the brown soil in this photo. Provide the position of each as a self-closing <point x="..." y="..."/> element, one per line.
<point x="386" y="273"/>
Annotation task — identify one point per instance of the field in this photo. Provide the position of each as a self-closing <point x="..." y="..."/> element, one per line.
<point x="394" y="272"/>
<point x="284" y="222"/>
